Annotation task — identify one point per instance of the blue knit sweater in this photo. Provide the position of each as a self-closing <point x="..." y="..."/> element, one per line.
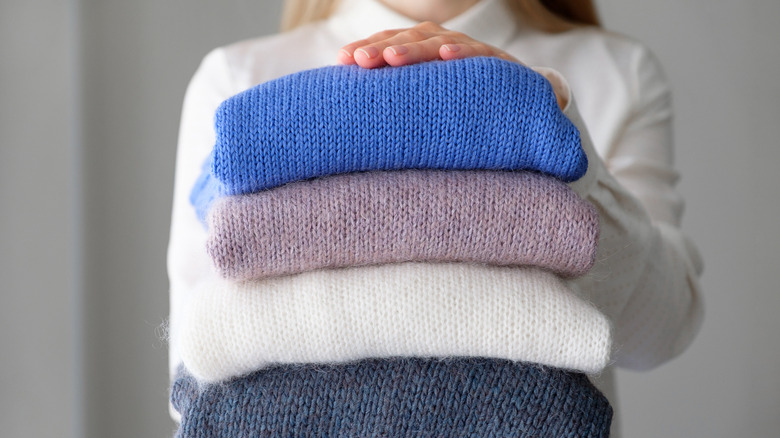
<point x="475" y="113"/>
<point x="403" y="397"/>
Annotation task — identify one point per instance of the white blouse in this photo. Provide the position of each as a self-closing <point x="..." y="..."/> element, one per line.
<point x="646" y="276"/>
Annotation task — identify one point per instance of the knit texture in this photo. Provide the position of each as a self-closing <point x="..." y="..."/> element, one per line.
<point x="228" y="329"/>
<point x="396" y="398"/>
<point x="500" y="218"/>
<point x="205" y="191"/>
<point x="475" y="113"/>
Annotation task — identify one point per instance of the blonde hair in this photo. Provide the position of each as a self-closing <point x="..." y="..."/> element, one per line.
<point x="546" y="15"/>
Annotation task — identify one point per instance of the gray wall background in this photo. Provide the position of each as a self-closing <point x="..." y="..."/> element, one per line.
<point x="90" y="95"/>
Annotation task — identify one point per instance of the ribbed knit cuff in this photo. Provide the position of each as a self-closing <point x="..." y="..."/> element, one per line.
<point x="498" y="218"/>
<point x="401" y="397"/>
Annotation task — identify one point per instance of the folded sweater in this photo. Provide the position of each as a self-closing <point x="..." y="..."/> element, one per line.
<point x="500" y="218"/>
<point x="228" y="329"/>
<point x="404" y="397"/>
<point x="475" y="113"/>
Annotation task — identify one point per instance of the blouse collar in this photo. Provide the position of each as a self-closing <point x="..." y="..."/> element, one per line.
<point x="489" y="21"/>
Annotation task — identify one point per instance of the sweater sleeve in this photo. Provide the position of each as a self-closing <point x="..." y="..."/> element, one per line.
<point x="646" y="274"/>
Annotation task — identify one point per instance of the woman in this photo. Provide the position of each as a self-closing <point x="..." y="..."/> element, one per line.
<point x="646" y="276"/>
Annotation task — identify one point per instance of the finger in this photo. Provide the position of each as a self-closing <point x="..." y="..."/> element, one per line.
<point x="369" y="57"/>
<point x="346" y="54"/>
<point x="415" y="52"/>
<point x="372" y="55"/>
<point x="469" y="50"/>
<point x="408" y="46"/>
<point x="344" y="57"/>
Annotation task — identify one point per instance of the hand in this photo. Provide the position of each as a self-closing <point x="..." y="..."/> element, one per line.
<point x="426" y="41"/>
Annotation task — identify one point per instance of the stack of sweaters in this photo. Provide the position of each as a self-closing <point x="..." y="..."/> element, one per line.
<point x="393" y="246"/>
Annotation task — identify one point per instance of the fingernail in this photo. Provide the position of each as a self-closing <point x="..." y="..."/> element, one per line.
<point x="452" y="47"/>
<point x="399" y="50"/>
<point x="369" y="52"/>
<point x="347" y="54"/>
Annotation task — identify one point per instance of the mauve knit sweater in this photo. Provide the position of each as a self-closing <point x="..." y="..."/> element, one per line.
<point x="498" y="218"/>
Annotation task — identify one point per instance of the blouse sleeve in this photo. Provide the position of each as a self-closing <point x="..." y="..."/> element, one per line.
<point x="646" y="274"/>
<point x="188" y="262"/>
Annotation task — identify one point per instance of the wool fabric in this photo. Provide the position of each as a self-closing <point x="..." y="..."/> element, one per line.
<point x="475" y="113"/>
<point x="499" y="218"/>
<point x="404" y="397"/>
<point x="205" y="191"/>
<point x="228" y="329"/>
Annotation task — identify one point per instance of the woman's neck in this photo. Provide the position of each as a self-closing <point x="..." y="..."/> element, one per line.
<point x="437" y="11"/>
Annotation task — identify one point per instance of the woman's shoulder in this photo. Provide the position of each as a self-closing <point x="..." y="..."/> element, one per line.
<point x="624" y="50"/>
<point x="592" y="58"/>
<point x="593" y="44"/>
<point x="624" y="56"/>
<point x="610" y="39"/>
<point x="255" y="60"/>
